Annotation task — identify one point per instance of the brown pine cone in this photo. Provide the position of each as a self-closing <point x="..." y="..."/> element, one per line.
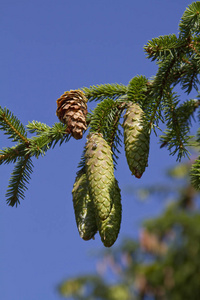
<point x="72" y="110"/>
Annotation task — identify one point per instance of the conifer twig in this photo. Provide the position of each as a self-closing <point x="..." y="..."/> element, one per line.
<point x="19" y="178"/>
<point x="12" y="126"/>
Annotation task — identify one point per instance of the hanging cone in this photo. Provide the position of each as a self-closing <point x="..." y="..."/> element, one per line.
<point x="83" y="208"/>
<point x="136" y="140"/>
<point x="110" y="227"/>
<point x="72" y="110"/>
<point x="100" y="173"/>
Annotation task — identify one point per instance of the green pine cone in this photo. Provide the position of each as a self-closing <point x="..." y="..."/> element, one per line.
<point x="84" y="208"/>
<point x="100" y="173"/>
<point x="109" y="228"/>
<point x="136" y="140"/>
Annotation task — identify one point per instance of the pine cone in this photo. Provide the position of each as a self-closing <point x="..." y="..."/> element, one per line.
<point x="72" y="110"/>
<point x="136" y="140"/>
<point x="100" y="173"/>
<point x="109" y="228"/>
<point x="84" y="208"/>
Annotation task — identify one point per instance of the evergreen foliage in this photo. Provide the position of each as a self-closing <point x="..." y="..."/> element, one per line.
<point x="178" y="61"/>
<point x="20" y="154"/>
<point x="12" y="126"/>
<point x="100" y="92"/>
<point x="18" y="180"/>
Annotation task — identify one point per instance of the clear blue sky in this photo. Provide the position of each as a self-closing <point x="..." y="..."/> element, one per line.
<point x="48" y="47"/>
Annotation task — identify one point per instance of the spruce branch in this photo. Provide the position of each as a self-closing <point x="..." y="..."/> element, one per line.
<point x="58" y="134"/>
<point x="46" y="138"/>
<point x="190" y="78"/>
<point x="38" y="145"/>
<point x="174" y="132"/>
<point x="174" y="67"/>
<point x="20" y="154"/>
<point x="37" y="127"/>
<point x="157" y="89"/>
<point x="164" y="77"/>
<point x="168" y="46"/>
<point x="190" y="21"/>
<point x="11" y="154"/>
<point x="178" y="121"/>
<point x="12" y="126"/>
<point x="19" y="178"/>
<point x="152" y="106"/>
<point x="99" y="92"/>
<point x="178" y="58"/>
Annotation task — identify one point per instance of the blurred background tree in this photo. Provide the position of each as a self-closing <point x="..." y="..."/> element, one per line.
<point x="164" y="264"/>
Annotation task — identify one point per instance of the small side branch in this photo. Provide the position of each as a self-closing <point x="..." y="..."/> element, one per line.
<point x="19" y="178"/>
<point x="12" y="126"/>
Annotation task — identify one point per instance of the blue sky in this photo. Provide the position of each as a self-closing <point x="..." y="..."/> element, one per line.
<point x="48" y="47"/>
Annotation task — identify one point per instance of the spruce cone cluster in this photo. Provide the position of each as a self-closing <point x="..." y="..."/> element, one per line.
<point x="136" y="140"/>
<point x="72" y="110"/>
<point x="96" y="194"/>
